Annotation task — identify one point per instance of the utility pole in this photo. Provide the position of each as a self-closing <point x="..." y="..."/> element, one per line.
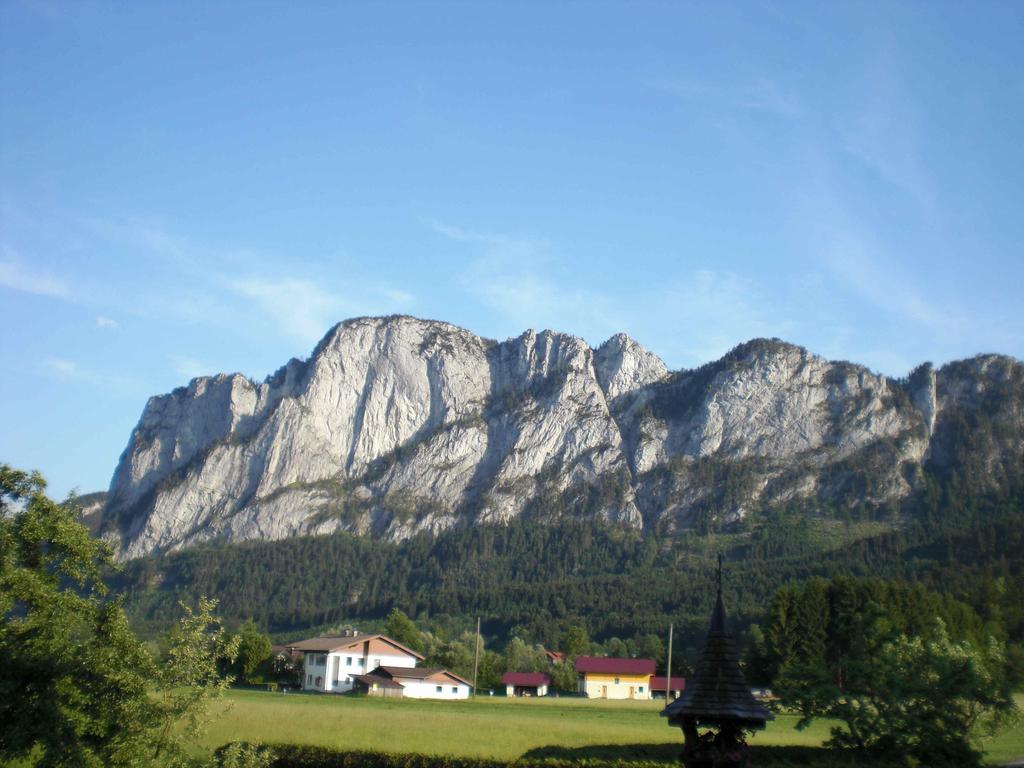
<point x="476" y="654"/>
<point x="668" y="670"/>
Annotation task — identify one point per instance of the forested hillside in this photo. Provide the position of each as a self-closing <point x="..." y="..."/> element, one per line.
<point x="537" y="580"/>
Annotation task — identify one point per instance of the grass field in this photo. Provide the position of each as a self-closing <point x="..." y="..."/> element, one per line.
<point x="494" y="727"/>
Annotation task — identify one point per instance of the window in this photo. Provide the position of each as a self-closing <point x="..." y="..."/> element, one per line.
<point x="641" y="689"/>
<point x="455" y="689"/>
<point x="360" y="661"/>
<point x="309" y="679"/>
<point x="348" y="661"/>
<point x="440" y="689"/>
<point x="616" y="681"/>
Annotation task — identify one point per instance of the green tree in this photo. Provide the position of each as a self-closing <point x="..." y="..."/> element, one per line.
<point x="927" y="698"/>
<point x="254" y="648"/>
<point x="190" y="678"/>
<point x="563" y="677"/>
<point x="783" y="632"/>
<point x="400" y="627"/>
<point x="520" y="657"/>
<point x="652" y="647"/>
<point x="576" y="641"/>
<point x="811" y="612"/>
<point x="491" y="667"/>
<point x="73" y="678"/>
<point x="77" y="688"/>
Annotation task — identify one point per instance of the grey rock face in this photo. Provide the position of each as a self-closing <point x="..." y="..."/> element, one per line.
<point x="396" y="425"/>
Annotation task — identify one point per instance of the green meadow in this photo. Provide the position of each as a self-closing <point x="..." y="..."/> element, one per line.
<point x="495" y="727"/>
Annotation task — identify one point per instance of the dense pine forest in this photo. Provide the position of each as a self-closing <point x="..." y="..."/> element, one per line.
<point x="536" y="581"/>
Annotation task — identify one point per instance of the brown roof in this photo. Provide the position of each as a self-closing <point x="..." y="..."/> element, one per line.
<point x="611" y="666"/>
<point x="328" y="643"/>
<point x="283" y="650"/>
<point x="416" y="673"/>
<point x="717" y="692"/>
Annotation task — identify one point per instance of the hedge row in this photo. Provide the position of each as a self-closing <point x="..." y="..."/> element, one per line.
<point x="304" y="756"/>
<point x="307" y="756"/>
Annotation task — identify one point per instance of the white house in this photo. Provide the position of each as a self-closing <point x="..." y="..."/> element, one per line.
<point x="330" y="663"/>
<point x="416" y="683"/>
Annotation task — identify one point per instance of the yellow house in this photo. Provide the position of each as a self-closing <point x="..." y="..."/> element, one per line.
<point x="604" y="678"/>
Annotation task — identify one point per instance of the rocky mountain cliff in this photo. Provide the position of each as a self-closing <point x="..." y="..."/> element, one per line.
<point x="397" y="425"/>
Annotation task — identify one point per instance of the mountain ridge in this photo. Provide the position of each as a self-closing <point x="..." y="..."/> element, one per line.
<point x="397" y="425"/>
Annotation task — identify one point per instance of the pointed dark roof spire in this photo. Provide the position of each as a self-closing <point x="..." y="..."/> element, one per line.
<point x="718" y="693"/>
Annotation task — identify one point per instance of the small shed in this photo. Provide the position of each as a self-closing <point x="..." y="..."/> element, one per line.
<point x="660" y="687"/>
<point x="377" y="685"/>
<point x="717" y="696"/>
<point x="526" y="683"/>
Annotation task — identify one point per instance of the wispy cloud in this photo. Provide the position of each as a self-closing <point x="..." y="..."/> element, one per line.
<point x="305" y="309"/>
<point x="188" y="367"/>
<point x="70" y="370"/>
<point x="761" y="94"/>
<point x="398" y="296"/>
<point x="143" y="234"/>
<point x="883" y="132"/>
<point x="232" y="286"/>
<point x="694" y="319"/>
<point x="496" y="243"/>
<point x="712" y="311"/>
<point x="300" y="307"/>
<point x="107" y="322"/>
<point x="517" y="278"/>
<point x="62" y="366"/>
<point x="18" y="276"/>
<point x="880" y="281"/>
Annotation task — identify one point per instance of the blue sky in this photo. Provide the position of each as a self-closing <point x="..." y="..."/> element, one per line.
<point x="187" y="188"/>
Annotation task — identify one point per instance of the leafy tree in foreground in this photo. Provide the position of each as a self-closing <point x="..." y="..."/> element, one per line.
<point x="77" y="688"/>
<point x="190" y="679"/>
<point x="73" y="678"/>
<point x="927" y="698"/>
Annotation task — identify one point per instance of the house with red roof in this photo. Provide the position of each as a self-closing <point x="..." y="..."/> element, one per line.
<point x="601" y="677"/>
<point x="526" y="683"/>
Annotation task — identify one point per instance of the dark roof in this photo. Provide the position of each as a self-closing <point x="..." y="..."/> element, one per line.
<point x="416" y="673"/>
<point x="284" y="650"/>
<point x="660" y="683"/>
<point x="615" y="666"/>
<point x="328" y="643"/>
<point x="409" y="673"/>
<point x="371" y="680"/>
<point x="717" y="693"/>
<point x="525" y="678"/>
